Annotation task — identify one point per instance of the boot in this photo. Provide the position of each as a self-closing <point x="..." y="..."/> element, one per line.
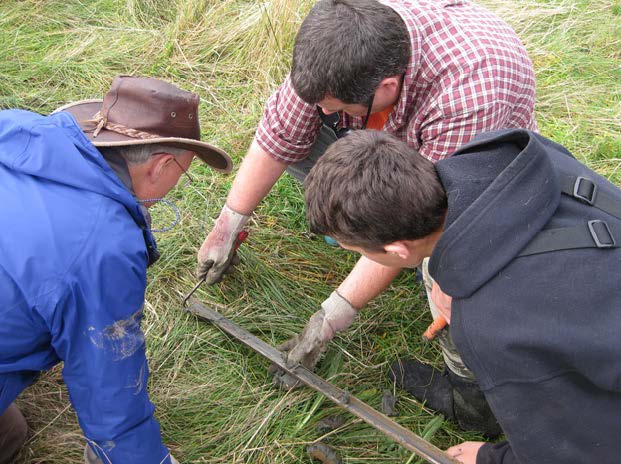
<point x="13" y="432"/>
<point x="455" y="397"/>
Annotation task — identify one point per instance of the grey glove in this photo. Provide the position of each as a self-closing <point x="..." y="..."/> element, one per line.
<point x="306" y="348"/>
<point x="217" y="252"/>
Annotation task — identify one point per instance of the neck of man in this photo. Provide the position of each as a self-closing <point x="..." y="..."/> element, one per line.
<point x="120" y="168"/>
<point x="423" y="247"/>
<point x="429" y="242"/>
<point x="123" y="171"/>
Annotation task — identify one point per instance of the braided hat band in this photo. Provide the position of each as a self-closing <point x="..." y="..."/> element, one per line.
<point x="102" y="122"/>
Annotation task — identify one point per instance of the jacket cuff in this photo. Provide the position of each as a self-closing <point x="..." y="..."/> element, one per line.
<point x="496" y="453"/>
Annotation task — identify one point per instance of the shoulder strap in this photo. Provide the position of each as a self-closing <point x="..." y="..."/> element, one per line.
<point x="586" y="191"/>
<point x="591" y="234"/>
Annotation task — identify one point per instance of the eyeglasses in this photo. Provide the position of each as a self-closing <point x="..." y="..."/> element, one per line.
<point x="187" y="174"/>
<point x="332" y="120"/>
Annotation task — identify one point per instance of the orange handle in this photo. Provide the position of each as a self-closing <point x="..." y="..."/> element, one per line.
<point x="434" y="328"/>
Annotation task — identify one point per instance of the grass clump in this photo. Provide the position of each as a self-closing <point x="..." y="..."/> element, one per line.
<point x="214" y="397"/>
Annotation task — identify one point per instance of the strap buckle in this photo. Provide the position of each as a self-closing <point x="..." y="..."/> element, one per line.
<point x="585" y="190"/>
<point x="601" y="234"/>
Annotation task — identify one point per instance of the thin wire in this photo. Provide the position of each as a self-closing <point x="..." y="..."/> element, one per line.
<point x="173" y="207"/>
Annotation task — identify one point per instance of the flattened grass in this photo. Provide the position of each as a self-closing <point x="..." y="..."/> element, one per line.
<point x="214" y="397"/>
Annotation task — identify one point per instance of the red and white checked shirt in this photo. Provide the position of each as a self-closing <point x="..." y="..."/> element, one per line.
<point x="469" y="73"/>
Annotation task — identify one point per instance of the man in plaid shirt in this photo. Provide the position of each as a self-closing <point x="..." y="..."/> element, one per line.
<point x="432" y="72"/>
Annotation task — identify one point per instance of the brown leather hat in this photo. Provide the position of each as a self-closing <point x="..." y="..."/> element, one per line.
<point x="143" y="110"/>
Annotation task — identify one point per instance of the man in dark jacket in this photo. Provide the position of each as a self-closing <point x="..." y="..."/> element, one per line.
<point x="525" y="241"/>
<point x="74" y="250"/>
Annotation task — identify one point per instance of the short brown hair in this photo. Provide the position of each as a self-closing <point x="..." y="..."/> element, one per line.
<point x="370" y="189"/>
<point x="344" y="49"/>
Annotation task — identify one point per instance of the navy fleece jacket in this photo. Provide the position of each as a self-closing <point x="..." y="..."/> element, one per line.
<point x="542" y="333"/>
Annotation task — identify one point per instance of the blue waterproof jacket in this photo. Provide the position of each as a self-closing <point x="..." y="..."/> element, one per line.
<point x="74" y="250"/>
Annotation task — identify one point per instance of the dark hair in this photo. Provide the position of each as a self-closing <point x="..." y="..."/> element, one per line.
<point x="370" y="189"/>
<point x="345" y="48"/>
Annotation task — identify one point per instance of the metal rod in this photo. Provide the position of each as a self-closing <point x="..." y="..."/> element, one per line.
<point x="344" y="399"/>
<point x="187" y="297"/>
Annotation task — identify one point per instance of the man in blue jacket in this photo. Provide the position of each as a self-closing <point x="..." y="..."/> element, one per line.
<point x="74" y="251"/>
<point x="525" y="242"/>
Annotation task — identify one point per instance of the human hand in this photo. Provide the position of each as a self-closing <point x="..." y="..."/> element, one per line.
<point x="217" y="254"/>
<point x="306" y="348"/>
<point x="442" y="301"/>
<point x="465" y="452"/>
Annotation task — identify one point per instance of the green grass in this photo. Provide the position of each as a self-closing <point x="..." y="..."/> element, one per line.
<point x="214" y="397"/>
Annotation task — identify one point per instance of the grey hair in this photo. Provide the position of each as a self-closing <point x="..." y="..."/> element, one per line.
<point x="139" y="154"/>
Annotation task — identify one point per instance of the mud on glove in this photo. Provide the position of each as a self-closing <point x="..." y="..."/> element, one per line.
<point x="217" y="253"/>
<point x="336" y="314"/>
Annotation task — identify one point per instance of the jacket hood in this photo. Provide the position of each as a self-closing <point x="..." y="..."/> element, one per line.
<point x="54" y="148"/>
<point x="495" y="186"/>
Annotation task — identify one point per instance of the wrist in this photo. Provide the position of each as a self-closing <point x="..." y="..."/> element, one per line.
<point x="339" y="314"/>
<point x="230" y="222"/>
<point x="236" y="219"/>
<point x="237" y="209"/>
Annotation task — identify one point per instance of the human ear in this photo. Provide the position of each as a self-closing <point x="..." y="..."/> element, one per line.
<point x="158" y="167"/>
<point x="398" y="248"/>
<point x="390" y="85"/>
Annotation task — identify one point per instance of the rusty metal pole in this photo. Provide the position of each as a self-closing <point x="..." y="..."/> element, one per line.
<point x="344" y="399"/>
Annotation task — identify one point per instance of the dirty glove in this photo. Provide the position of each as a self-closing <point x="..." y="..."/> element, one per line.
<point x="217" y="252"/>
<point x="336" y="314"/>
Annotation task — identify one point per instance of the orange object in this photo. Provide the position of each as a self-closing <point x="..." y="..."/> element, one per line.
<point x="377" y="120"/>
<point x="434" y="328"/>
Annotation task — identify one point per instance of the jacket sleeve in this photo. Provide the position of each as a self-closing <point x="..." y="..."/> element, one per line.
<point x="496" y="453"/>
<point x="96" y="332"/>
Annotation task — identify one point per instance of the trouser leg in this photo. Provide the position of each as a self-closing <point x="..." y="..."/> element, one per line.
<point x="13" y="432"/>
<point x="301" y="169"/>
<point x="451" y="356"/>
<point x="90" y="457"/>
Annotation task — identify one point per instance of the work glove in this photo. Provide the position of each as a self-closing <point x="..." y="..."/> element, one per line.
<point x="218" y="252"/>
<point x="336" y="314"/>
